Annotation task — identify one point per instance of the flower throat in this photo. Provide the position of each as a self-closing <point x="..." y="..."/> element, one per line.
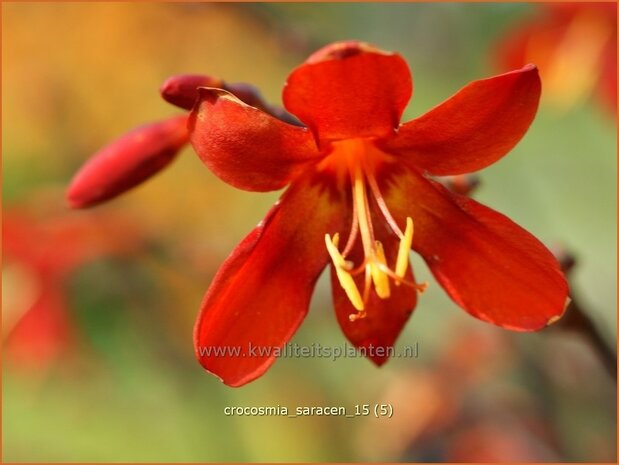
<point x="359" y="158"/>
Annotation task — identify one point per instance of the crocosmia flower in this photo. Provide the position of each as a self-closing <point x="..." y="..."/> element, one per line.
<point x="359" y="197"/>
<point x="40" y="255"/>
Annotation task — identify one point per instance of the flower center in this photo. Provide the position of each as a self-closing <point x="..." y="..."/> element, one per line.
<point x="360" y="158"/>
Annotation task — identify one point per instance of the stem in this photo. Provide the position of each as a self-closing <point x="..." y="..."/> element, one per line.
<point x="576" y="319"/>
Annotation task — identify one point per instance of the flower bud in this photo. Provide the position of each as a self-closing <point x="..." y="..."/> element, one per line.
<point x="182" y="90"/>
<point x="128" y="161"/>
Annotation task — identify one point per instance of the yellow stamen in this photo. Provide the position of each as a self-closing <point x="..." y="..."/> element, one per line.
<point x="346" y="280"/>
<point x="405" y="245"/>
<point x="381" y="280"/>
<point x="359" y="159"/>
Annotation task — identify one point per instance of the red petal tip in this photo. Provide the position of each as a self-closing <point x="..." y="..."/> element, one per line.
<point x="212" y="94"/>
<point x="342" y="50"/>
<point x="349" y="90"/>
<point x="552" y="320"/>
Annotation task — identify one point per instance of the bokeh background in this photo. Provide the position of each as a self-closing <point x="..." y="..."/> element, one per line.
<point x="98" y="306"/>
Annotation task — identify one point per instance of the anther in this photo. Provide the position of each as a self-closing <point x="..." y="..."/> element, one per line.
<point x="341" y="265"/>
<point x="421" y="287"/>
<point x="380" y="279"/>
<point x="356" y="316"/>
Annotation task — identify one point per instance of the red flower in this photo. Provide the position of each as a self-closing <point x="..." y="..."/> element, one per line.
<point x="358" y="186"/>
<point x="41" y="253"/>
<point x="575" y="46"/>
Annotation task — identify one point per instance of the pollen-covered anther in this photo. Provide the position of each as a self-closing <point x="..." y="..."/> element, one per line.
<point x="342" y="268"/>
<point x="357" y="316"/>
<point x="380" y="279"/>
<point x="421" y="287"/>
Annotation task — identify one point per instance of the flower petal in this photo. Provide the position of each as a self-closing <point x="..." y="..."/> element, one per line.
<point x="244" y="146"/>
<point x="490" y="266"/>
<point x="384" y="319"/>
<point x="349" y="89"/>
<point x="43" y="333"/>
<point x="57" y="242"/>
<point x="261" y="293"/>
<point x="128" y="161"/>
<point x="472" y="129"/>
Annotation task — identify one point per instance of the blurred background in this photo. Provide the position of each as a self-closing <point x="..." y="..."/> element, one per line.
<point x="98" y="306"/>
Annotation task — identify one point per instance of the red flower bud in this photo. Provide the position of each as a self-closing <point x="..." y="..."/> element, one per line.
<point x="182" y="90"/>
<point x="128" y="161"/>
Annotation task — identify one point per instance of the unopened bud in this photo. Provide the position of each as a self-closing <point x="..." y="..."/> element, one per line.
<point x="128" y="161"/>
<point x="182" y="90"/>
